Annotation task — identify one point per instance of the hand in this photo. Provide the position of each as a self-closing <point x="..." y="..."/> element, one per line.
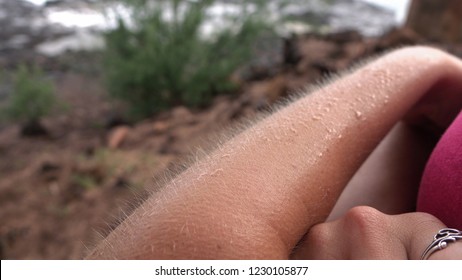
<point x="365" y="233"/>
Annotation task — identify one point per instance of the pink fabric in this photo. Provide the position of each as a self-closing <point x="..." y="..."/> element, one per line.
<point x="440" y="192"/>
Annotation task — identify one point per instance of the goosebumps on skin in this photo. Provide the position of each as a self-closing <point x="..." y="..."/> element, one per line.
<point x="258" y="194"/>
<point x="441" y="188"/>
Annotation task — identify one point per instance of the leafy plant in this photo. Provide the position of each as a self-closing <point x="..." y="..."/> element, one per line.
<point x="160" y="61"/>
<point x="32" y="99"/>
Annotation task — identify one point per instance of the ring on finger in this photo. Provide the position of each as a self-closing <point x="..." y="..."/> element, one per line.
<point x="441" y="240"/>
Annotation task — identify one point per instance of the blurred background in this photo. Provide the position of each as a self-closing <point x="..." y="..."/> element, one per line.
<point x="99" y="98"/>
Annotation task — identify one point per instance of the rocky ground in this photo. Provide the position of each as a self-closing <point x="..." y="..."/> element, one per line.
<point x="59" y="193"/>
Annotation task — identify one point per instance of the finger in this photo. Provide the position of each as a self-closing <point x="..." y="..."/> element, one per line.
<point x="365" y="233"/>
<point x="416" y="232"/>
<point x="452" y="252"/>
<point x="362" y="233"/>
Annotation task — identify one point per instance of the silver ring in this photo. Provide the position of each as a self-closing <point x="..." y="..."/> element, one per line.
<point x="441" y="240"/>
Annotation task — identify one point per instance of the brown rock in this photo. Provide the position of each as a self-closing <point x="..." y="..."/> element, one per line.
<point x="343" y="37"/>
<point x="316" y="54"/>
<point x="298" y="83"/>
<point x="117" y="136"/>
<point x="267" y="91"/>
<point x="160" y="127"/>
<point x="220" y="112"/>
<point x="314" y="49"/>
<point x="50" y="170"/>
<point x="179" y="116"/>
<point x="291" y="52"/>
<point x="181" y="113"/>
<point x="398" y="38"/>
<point x="439" y="20"/>
<point x="354" y="50"/>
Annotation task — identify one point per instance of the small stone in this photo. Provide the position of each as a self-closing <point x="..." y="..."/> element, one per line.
<point x="117" y="136"/>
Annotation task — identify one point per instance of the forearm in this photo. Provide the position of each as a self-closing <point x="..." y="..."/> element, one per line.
<point x="263" y="189"/>
<point x="389" y="179"/>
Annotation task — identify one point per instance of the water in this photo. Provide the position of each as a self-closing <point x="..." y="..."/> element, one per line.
<point x="37" y="2"/>
<point x="84" y="20"/>
<point x="399" y="7"/>
<point x="94" y="18"/>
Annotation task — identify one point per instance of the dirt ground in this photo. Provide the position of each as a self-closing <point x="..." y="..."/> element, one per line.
<point x="59" y="194"/>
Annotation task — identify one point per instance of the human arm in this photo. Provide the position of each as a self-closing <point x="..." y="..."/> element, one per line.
<point x="389" y="178"/>
<point x="259" y="193"/>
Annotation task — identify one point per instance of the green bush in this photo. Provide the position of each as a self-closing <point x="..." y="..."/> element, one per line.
<point x="32" y="97"/>
<point x="162" y="62"/>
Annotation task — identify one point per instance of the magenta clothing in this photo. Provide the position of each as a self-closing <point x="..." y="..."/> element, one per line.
<point x="440" y="192"/>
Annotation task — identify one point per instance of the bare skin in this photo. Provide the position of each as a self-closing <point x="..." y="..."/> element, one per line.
<point x="389" y="179"/>
<point x="258" y="194"/>
<point x="365" y="233"/>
